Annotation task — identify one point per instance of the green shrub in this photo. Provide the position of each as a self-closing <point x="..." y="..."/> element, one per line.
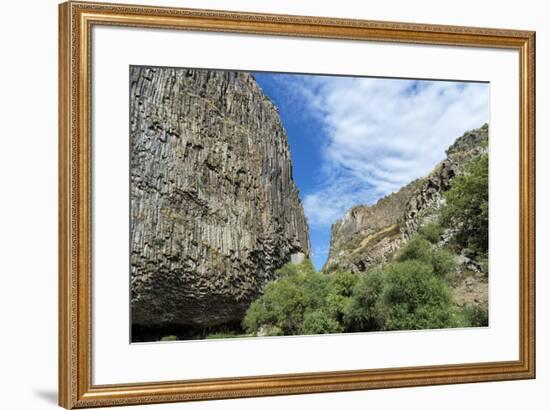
<point x="255" y="316"/>
<point x="338" y="294"/>
<point x="298" y="289"/>
<point x="285" y="302"/>
<point x="341" y="283"/>
<point x="223" y="335"/>
<point x="363" y="311"/>
<point x="431" y="232"/>
<point x="291" y="269"/>
<point x="484" y="263"/>
<point x="476" y="315"/>
<point x="443" y="262"/>
<point x="419" y="249"/>
<point x="319" y="322"/>
<point x="414" y="298"/>
<point x="407" y="294"/>
<point x="301" y="301"/>
<point x="467" y="205"/>
<point x="170" y="338"/>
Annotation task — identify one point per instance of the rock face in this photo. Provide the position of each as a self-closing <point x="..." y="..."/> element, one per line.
<point x="214" y="208"/>
<point x="420" y="207"/>
<point x="369" y="235"/>
<point x="366" y="235"/>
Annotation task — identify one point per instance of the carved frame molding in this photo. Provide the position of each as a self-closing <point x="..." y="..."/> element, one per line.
<point x="75" y="161"/>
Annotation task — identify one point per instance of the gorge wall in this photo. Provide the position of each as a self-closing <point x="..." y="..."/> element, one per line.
<point x="214" y="208"/>
<point x="368" y="236"/>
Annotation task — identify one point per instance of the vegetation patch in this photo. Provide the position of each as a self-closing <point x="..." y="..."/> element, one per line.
<point x="467" y="206"/>
<point x="409" y="293"/>
<point x="413" y="291"/>
<point x="170" y="338"/>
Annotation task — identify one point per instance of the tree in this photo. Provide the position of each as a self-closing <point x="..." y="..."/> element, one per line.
<point x="364" y="310"/>
<point x="419" y="249"/>
<point x="414" y="298"/>
<point x="467" y="205"/>
<point x="407" y="294"/>
<point x="297" y="290"/>
<point x="431" y="232"/>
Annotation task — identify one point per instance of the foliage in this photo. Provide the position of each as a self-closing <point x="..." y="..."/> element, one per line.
<point x="406" y="294"/>
<point x="338" y="292"/>
<point x="291" y="269"/>
<point x="255" y="316"/>
<point x="301" y="301"/>
<point x="170" y="338"/>
<point x="443" y="262"/>
<point x="431" y="232"/>
<point x="363" y="312"/>
<point x="467" y="205"/>
<point x="318" y="322"/>
<point x="221" y="335"/>
<point x="475" y="316"/>
<point x="414" y="298"/>
<point x="298" y="289"/>
<point x="411" y="292"/>
<point x="484" y="264"/>
<point x="419" y="249"/>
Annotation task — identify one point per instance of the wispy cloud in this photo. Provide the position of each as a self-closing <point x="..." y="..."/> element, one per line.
<point x="320" y="251"/>
<point x="380" y="134"/>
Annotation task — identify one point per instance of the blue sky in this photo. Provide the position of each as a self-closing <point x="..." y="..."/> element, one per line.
<point x="354" y="140"/>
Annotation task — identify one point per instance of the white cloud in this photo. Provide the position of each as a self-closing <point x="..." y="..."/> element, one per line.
<point x="381" y="134"/>
<point x="320" y="251"/>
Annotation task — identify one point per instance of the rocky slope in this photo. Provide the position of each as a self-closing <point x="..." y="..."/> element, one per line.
<point x="369" y="235"/>
<point x="214" y="208"/>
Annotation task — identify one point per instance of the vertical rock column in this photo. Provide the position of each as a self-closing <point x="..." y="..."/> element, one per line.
<point x="214" y="208"/>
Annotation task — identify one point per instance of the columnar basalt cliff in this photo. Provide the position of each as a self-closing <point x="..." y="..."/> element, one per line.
<point x="368" y="236"/>
<point x="214" y="208"/>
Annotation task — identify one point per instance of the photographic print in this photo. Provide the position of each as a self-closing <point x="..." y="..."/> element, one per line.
<point x="255" y="203"/>
<point x="281" y="204"/>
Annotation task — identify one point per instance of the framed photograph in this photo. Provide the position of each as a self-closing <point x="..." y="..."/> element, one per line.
<point x="256" y="204"/>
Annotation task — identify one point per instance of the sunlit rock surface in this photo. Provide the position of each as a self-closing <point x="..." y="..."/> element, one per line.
<point x="214" y="208"/>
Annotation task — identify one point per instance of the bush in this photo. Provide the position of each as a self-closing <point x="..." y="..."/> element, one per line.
<point x="338" y="294"/>
<point x="413" y="298"/>
<point x="319" y="322"/>
<point x="301" y="301"/>
<point x="285" y="301"/>
<point x="406" y="294"/>
<point x="291" y="269"/>
<point x="223" y="335"/>
<point x="443" y="262"/>
<point x="484" y="264"/>
<point x="255" y="316"/>
<point x="363" y="312"/>
<point x="170" y="338"/>
<point x="475" y="316"/>
<point x="467" y="205"/>
<point x="419" y="249"/>
<point x="431" y="232"/>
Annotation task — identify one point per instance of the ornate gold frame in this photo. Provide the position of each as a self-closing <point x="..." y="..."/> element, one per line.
<point x="75" y="329"/>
